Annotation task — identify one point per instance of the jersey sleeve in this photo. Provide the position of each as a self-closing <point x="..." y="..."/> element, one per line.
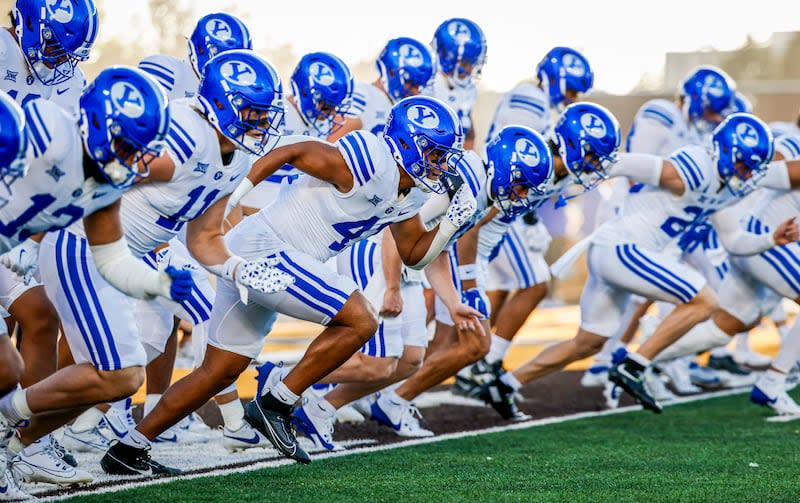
<point x="695" y="168"/>
<point x="470" y="168"/>
<point x="356" y="148"/>
<point x="788" y="146"/>
<point x="45" y="124"/>
<point x="652" y="129"/>
<point x="162" y="68"/>
<point x="183" y="135"/>
<point x="358" y="103"/>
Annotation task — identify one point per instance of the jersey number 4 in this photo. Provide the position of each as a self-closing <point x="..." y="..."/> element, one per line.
<point x="352" y="231"/>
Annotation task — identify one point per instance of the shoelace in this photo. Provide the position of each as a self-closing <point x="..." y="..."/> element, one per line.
<point x="412" y="416"/>
<point x="53" y="451"/>
<point x="57" y="448"/>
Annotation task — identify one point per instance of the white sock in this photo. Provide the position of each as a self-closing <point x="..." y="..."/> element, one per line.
<point x="790" y="350"/>
<point x="87" y="420"/>
<point x="232" y="414"/>
<point x="135" y="438"/>
<point x="498" y="349"/>
<point x="150" y="402"/>
<point x="14" y="406"/>
<point x="284" y="394"/>
<point x="641" y="360"/>
<point x="510" y="380"/>
<point x="772" y="382"/>
<point x="321" y="408"/>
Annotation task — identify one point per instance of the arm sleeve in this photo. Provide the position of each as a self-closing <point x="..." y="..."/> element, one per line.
<point x="777" y="176"/>
<point x="128" y="274"/>
<point x="644" y="168"/>
<point x="737" y="240"/>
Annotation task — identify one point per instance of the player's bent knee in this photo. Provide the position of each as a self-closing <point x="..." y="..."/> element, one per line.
<point x="11" y="369"/>
<point x="587" y="344"/>
<point x="122" y="383"/>
<point x="707" y="300"/>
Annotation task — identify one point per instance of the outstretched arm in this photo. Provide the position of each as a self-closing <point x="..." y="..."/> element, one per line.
<point x="650" y="170"/>
<point x="317" y="158"/>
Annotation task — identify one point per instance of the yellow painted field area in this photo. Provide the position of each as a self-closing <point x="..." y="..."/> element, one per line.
<point x="543" y="328"/>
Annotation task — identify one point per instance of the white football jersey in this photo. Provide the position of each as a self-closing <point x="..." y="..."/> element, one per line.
<point x="780" y="128"/>
<point x="460" y="98"/>
<point x="788" y="145"/>
<point x="153" y="213"/>
<point x="658" y="129"/>
<point x="176" y="76"/>
<point x="653" y="216"/>
<point x="525" y="105"/>
<point x="314" y="217"/>
<point x="54" y="193"/>
<point x="372" y="106"/>
<point x="22" y="85"/>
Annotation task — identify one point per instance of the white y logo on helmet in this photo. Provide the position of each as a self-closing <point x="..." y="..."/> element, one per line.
<point x="321" y="73"/>
<point x="593" y="125"/>
<point x="219" y="29"/>
<point x="713" y="86"/>
<point x="60" y="10"/>
<point x="573" y="65"/>
<point x="747" y="134"/>
<point x="527" y="153"/>
<point x="423" y="116"/>
<point x="127" y="99"/>
<point x="459" y="31"/>
<point x="238" y="72"/>
<point x="410" y="56"/>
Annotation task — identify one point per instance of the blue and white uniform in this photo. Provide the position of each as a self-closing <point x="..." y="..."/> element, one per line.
<point x="461" y="98"/>
<point x="309" y="223"/>
<point x="519" y="261"/>
<point x="372" y="106"/>
<point x="53" y="195"/>
<point x="176" y="76"/>
<point x="632" y="254"/>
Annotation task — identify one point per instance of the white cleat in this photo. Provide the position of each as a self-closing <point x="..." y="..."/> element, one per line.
<point x="318" y="429"/>
<point x="43" y="465"/>
<point x="677" y="371"/>
<point x="349" y="414"/>
<point x="595" y="376"/>
<point x="747" y="356"/>
<point x="119" y="422"/>
<point x="611" y="392"/>
<point x="406" y="425"/>
<point x="10" y="489"/>
<point x="177" y="435"/>
<point x="194" y="423"/>
<point x="781" y="403"/>
<point x="657" y="387"/>
<point x="246" y="437"/>
<point x="90" y="440"/>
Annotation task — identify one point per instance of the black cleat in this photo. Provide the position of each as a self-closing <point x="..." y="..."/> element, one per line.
<point x="629" y="376"/>
<point x="123" y="459"/>
<point x="501" y="397"/>
<point x="465" y="387"/>
<point x="728" y="364"/>
<point x="276" y="426"/>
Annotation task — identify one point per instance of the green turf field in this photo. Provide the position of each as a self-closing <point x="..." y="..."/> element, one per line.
<point x="702" y="451"/>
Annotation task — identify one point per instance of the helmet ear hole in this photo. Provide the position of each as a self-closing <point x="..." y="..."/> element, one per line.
<point x="219" y="104"/>
<point x="403" y="144"/>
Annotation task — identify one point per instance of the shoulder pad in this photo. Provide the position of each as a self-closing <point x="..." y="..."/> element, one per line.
<point x="183" y="131"/>
<point x="356" y="148"/>
<point x="46" y="125"/>
<point x="165" y="69"/>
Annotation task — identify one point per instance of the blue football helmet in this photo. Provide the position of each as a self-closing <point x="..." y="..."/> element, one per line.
<point x="425" y="138"/>
<point x="406" y="66"/>
<point x="461" y="48"/>
<point x="13" y="144"/>
<point x="740" y="103"/>
<point x="520" y="168"/>
<point x="240" y="93"/>
<point x="745" y="140"/>
<point x="588" y="138"/>
<point x="214" y="34"/>
<point x="706" y="89"/>
<point x="323" y="87"/>
<point x="55" y="35"/>
<point x="124" y="120"/>
<point x="561" y="70"/>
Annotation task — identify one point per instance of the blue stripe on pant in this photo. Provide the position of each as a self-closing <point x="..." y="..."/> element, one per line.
<point x="311" y="290"/>
<point x="653" y="273"/>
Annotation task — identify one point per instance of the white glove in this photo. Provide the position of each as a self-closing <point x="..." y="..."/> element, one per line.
<point x="462" y="207"/>
<point x="262" y="275"/>
<point x="23" y="259"/>
<point x="242" y="189"/>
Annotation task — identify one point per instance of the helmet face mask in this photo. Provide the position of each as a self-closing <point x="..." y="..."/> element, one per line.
<point x="124" y="121"/>
<point x="55" y="35"/>
<point x="242" y="96"/>
<point x="743" y="146"/>
<point x="426" y="139"/>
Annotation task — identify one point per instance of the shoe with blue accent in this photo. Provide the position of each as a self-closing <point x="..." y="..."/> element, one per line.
<point x="318" y="429"/>
<point x="268" y="376"/>
<point x="273" y="420"/>
<point x="595" y="376"/>
<point x="85" y="441"/>
<point x="705" y="377"/>
<point x="403" y="419"/>
<point x="781" y="403"/>
<point x="178" y="435"/>
<point x="194" y="423"/>
<point x="10" y="489"/>
<point x="629" y="375"/>
<point x="120" y="422"/>
<point x="61" y="451"/>
<point x="39" y="462"/>
<point x="244" y="438"/>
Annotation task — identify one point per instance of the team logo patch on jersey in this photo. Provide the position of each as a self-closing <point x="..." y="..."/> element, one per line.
<point x="55" y="172"/>
<point x="423" y="116"/>
<point x="217" y="175"/>
<point x="527" y="153"/>
<point x="12" y="76"/>
<point x="127" y="99"/>
<point x="375" y="200"/>
<point x="60" y="10"/>
<point x="573" y="65"/>
<point x="321" y="74"/>
<point x="239" y="73"/>
<point x="410" y="56"/>
<point x="201" y="167"/>
<point x="593" y="125"/>
<point x="218" y="29"/>
<point x="747" y="134"/>
<point x="459" y="31"/>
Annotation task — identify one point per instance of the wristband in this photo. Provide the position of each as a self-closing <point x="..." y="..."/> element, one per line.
<point x="467" y="272"/>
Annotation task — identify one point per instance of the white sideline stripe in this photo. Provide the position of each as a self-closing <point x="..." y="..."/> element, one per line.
<point x="408" y="443"/>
